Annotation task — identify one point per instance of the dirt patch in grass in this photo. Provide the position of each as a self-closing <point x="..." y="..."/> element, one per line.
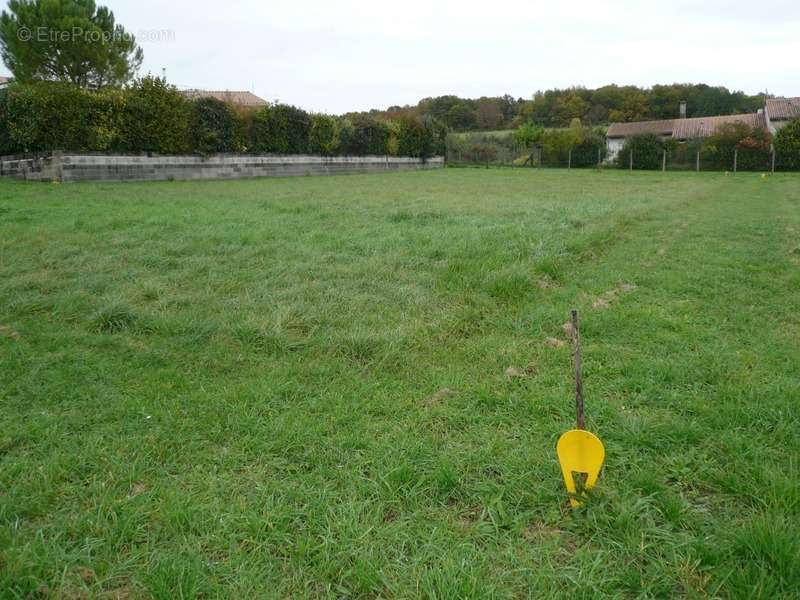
<point x="555" y="342"/>
<point x="439" y="397"/>
<point x="6" y="331"/>
<point x="608" y="298"/>
<point x="521" y="373"/>
<point x="138" y="488"/>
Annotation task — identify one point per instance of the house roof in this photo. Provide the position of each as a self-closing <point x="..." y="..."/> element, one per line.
<point x="700" y="127"/>
<point x="783" y="109"/>
<point x="232" y="97"/>
<point x="684" y="129"/>
<point x="623" y="130"/>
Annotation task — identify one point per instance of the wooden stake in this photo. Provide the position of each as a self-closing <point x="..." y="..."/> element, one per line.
<point x="664" y="161"/>
<point x="569" y="160"/>
<point x="698" y="161"/>
<point x="735" y="159"/>
<point x="576" y="341"/>
<point x="773" y="158"/>
<point x="630" y="165"/>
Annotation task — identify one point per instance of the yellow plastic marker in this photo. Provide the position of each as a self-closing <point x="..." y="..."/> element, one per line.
<point x="579" y="452"/>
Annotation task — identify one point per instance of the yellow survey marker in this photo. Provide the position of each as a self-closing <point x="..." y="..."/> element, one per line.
<point x="580" y="452"/>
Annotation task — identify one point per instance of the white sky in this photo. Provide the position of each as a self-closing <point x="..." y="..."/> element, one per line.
<point x="342" y="55"/>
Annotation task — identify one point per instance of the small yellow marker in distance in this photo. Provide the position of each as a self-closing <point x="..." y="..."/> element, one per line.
<point x="580" y="452"/>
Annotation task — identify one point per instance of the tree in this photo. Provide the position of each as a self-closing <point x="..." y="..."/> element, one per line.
<point x="72" y="41"/>
<point x="528" y="135"/>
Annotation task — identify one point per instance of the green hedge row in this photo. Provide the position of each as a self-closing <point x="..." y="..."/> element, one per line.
<point x="152" y="116"/>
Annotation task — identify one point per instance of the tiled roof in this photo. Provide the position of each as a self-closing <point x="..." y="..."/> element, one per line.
<point x="781" y="109"/>
<point x="238" y="98"/>
<point x="684" y="129"/>
<point x="700" y="127"/>
<point x="622" y="130"/>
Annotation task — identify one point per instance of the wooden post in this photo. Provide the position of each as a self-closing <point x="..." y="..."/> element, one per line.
<point x="630" y="161"/>
<point x="735" y="159"/>
<point x="664" y="161"/>
<point x="599" y="158"/>
<point x="698" y="161"/>
<point x="569" y="160"/>
<point x="576" y="341"/>
<point x="772" y="147"/>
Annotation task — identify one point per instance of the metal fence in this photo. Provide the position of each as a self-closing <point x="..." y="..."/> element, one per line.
<point x="494" y="150"/>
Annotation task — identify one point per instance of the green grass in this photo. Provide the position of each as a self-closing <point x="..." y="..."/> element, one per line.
<point x="234" y="389"/>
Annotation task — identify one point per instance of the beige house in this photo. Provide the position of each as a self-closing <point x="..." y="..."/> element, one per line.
<point x="678" y="129"/>
<point x="244" y="99"/>
<point x="776" y="113"/>
<point x="780" y="111"/>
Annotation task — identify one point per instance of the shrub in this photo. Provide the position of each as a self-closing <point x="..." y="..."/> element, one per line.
<point x="590" y="151"/>
<point x="647" y="150"/>
<point x="155" y="118"/>
<point x="280" y="129"/>
<point x="59" y="116"/>
<point x="323" y="135"/>
<point x="414" y="138"/>
<point x="7" y="144"/>
<point x="787" y="146"/>
<point x="215" y="127"/>
<point x="556" y="144"/>
<point x="753" y="144"/>
<point x="369" y="137"/>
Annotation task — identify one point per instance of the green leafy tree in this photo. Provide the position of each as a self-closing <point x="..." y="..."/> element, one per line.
<point x="528" y="135"/>
<point x="73" y="41"/>
<point x="787" y="145"/>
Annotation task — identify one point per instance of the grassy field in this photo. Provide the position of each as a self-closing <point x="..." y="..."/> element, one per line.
<point x="301" y="387"/>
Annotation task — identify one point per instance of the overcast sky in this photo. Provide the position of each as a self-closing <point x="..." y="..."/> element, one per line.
<point x="341" y="55"/>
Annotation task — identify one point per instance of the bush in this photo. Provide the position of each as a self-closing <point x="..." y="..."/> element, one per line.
<point x="369" y="137"/>
<point x="556" y="144"/>
<point x="59" y="116"/>
<point x="155" y="118"/>
<point x="590" y="151"/>
<point x="280" y="129"/>
<point x="215" y="127"/>
<point x="414" y="138"/>
<point x="787" y="146"/>
<point x="323" y="135"/>
<point x="752" y="143"/>
<point x="648" y="150"/>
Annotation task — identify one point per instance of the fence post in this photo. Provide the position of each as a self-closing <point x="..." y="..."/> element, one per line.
<point x="735" y="159"/>
<point x="772" y="147"/>
<point x="599" y="158"/>
<point x="630" y="161"/>
<point x="664" y="161"/>
<point x="569" y="159"/>
<point x="697" y="168"/>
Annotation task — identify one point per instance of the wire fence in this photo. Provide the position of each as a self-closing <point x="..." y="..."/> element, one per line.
<point x="491" y="150"/>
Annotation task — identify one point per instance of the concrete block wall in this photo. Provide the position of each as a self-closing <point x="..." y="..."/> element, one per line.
<point x="87" y="167"/>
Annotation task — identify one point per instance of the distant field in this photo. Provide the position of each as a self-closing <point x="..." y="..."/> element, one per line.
<point x="298" y="387"/>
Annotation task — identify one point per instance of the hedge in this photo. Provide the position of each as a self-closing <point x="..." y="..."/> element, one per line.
<point x="152" y="116"/>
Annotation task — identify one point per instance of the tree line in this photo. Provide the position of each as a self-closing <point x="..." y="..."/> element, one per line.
<point x="558" y="107"/>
